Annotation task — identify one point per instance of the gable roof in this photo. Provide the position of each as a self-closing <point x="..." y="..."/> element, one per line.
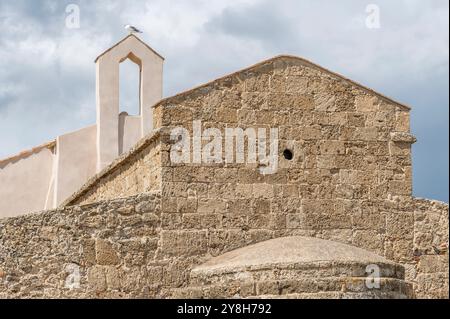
<point x="199" y="89"/>
<point x="121" y="41"/>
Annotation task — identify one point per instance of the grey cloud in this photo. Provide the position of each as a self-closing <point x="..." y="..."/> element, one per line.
<point x="255" y="21"/>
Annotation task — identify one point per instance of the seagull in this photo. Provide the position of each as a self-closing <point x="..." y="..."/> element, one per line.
<point x="131" y="29"/>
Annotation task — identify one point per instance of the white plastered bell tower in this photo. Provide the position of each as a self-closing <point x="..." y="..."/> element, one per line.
<point x="107" y="93"/>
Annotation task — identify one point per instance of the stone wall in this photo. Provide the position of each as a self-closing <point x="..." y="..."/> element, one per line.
<point x="120" y="248"/>
<point x="141" y="246"/>
<point x="431" y="243"/>
<point x="349" y="181"/>
<point x="348" y="143"/>
<point x="112" y="245"/>
<point x="138" y="171"/>
<point x="351" y="157"/>
<point x="351" y="165"/>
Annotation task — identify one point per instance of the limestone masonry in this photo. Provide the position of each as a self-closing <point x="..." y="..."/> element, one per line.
<point x="336" y="213"/>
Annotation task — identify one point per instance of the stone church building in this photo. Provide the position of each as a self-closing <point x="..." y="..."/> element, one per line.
<point x="105" y="212"/>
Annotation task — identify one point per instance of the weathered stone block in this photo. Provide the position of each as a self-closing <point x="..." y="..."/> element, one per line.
<point x="400" y="250"/>
<point x="366" y="103"/>
<point x="171" y="221"/>
<point x="187" y="205"/>
<point x="182" y="243"/>
<point x="257" y="83"/>
<point x="267" y="287"/>
<point x="325" y="102"/>
<point x="88" y="252"/>
<point x="105" y="253"/>
<point x="399" y="148"/>
<point x="202" y="221"/>
<point x="295" y="221"/>
<point x="433" y="264"/>
<point x="309" y="133"/>
<point x="278" y="84"/>
<point x="356" y="119"/>
<point x="227" y="115"/>
<point x="296" y="84"/>
<point x="332" y="147"/>
<point x="366" y="133"/>
<point x="211" y="205"/>
<point x="400" y="225"/>
<point x="339" y="235"/>
<point x="402" y="121"/>
<point x="97" y="278"/>
<point x="263" y="191"/>
<point x="369" y="239"/>
<point x="113" y="280"/>
<point x="364" y="219"/>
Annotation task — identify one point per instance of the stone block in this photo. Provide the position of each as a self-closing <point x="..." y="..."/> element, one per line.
<point x="187" y="205"/>
<point x="247" y="289"/>
<point x="254" y="101"/>
<point x="400" y="225"/>
<point x="183" y="243"/>
<point x="244" y="190"/>
<point x="263" y="191"/>
<point x="366" y="103"/>
<point x="211" y="205"/>
<point x="171" y="221"/>
<point x="402" y="121"/>
<point x="88" y="252"/>
<point x="325" y="102"/>
<point x="227" y="115"/>
<point x="356" y="119"/>
<point x="246" y="116"/>
<point x="267" y="287"/>
<point x="112" y="277"/>
<point x="370" y="240"/>
<point x="433" y="264"/>
<point x="294" y="221"/>
<point x="366" y="133"/>
<point x="278" y="84"/>
<point x="296" y="84"/>
<point x="105" y="253"/>
<point x="399" y="250"/>
<point x="202" y="221"/>
<point x="322" y="214"/>
<point x="309" y="133"/>
<point x="400" y="148"/>
<point x="332" y="147"/>
<point x="339" y="235"/>
<point x="96" y="278"/>
<point x="257" y="83"/>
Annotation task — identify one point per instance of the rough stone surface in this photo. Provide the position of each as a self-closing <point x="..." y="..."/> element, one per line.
<point x="296" y="266"/>
<point x="288" y="250"/>
<point x="138" y="228"/>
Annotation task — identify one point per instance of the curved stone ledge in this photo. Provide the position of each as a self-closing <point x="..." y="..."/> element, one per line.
<point x="403" y="137"/>
<point x="294" y="250"/>
<point x="296" y="267"/>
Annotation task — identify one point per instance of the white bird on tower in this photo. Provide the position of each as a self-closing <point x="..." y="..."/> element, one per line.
<point x="131" y="29"/>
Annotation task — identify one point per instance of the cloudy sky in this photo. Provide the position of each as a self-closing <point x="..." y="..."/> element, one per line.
<point x="47" y="73"/>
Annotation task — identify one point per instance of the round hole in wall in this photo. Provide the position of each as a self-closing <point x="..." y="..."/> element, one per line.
<point x="288" y="154"/>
